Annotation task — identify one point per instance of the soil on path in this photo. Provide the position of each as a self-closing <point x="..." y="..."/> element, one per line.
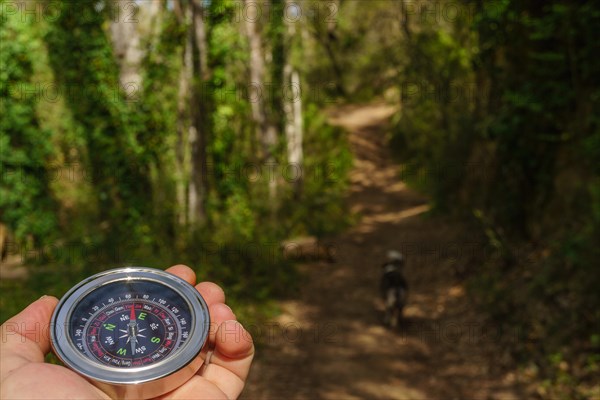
<point x="329" y="343"/>
<point x="12" y="268"/>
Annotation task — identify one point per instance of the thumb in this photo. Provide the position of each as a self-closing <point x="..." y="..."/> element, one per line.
<point x="26" y="336"/>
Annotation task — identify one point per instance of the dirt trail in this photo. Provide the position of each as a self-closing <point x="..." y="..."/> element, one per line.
<point x="329" y="343"/>
<point x="12" y="268"/>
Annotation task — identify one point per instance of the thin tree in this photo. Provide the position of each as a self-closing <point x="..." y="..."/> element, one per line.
<point x="265" y="130"/>
<point x="292" y="103"/>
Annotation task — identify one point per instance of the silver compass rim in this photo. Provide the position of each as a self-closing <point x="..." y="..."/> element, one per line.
<point x="188" y="352"/>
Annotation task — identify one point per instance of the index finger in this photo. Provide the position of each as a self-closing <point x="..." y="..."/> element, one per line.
<point x="184" y="272"/>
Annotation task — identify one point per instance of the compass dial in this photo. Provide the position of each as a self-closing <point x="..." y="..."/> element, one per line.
<point x="130" y="324"/>
<point x="135" y="332"/>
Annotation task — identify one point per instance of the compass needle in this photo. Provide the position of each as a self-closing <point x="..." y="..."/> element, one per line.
<point x="133" y="344"/>
<point x="138" y="327"/>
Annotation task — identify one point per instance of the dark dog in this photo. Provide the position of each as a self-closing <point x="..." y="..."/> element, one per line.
<point x="394" y="289"/>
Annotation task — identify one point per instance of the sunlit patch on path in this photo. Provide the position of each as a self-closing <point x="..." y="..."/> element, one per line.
<point x="12" y="268"/>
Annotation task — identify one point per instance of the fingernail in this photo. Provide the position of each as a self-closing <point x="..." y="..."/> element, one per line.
<point x="43" y="297"/>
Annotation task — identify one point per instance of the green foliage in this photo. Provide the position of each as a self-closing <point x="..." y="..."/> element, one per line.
<point x="157" y="107"/>
<point x="26" y="148"/>
<point x="127" y="151"/>
<point x="231" y="147"/>
<point x="435" y="130"/>
<point x="321" y="210"/>
<point x="522" y="150"/>
<point x="115" y="154"/>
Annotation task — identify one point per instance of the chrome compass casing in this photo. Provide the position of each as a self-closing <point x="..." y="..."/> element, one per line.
<point x="134" y="332"/>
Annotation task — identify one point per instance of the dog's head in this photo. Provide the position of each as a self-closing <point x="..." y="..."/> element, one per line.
<point x="395" y="257"/>
<point x="395" y="262"/>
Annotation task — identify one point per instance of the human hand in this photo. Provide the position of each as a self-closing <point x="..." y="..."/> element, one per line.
<point x="25" y="342"/>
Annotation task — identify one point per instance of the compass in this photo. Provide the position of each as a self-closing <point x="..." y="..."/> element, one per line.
<point x="134" y="332"/>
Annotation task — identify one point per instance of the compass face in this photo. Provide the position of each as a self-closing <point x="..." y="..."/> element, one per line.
<point x="135" y="332"/>
<point x="130" y="324"/>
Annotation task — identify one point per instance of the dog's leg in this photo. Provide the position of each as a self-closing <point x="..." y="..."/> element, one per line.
<point x="387" y="316"/>
<point x="394" y="321"/>
<point x="402" y="297"/>
<point x="390" y="303"/>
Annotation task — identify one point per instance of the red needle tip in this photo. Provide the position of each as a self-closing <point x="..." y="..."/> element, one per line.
<point x="132" y="315"/>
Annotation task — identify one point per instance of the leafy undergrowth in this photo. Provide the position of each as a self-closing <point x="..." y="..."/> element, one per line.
<point x="548" y="294"/>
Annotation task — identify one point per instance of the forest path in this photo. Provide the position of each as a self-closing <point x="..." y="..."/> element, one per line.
<point x="329" y="342"/>
<point x="12" y="267"/>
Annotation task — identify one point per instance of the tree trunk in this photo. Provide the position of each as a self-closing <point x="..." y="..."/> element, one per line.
<point x="183" y="127"/>
<point x="201" y="39"/>
<point x="405" y="21"/>
<point x="325" y="34"/>
<point x="265" y="131"/>
<point x="125" y="37"/>
<point x="192" y="119"/>
<point x="292" y="103"/>
<point x="294" y="129"/>
<point x="198" y="187"/>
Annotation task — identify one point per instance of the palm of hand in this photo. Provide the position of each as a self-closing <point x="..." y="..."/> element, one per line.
<point x="48" y="381"/>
